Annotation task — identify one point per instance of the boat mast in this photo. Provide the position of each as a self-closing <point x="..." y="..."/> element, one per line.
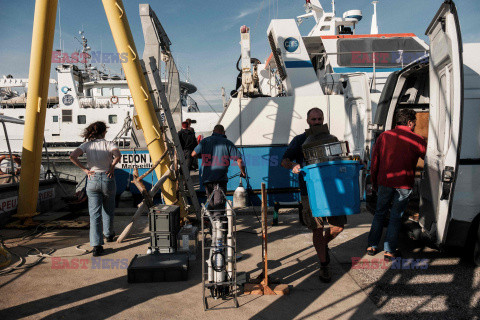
<point x="374" y="27"/>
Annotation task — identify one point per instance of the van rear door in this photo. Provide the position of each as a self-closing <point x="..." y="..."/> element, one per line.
<point x="446" y="108"/>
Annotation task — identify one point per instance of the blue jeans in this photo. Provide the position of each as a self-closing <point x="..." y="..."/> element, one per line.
<point x="101" y="192"/>
<point x="400" y="200"/>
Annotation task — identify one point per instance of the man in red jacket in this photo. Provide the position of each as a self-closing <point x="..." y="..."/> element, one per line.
<point x="394" y="160"/>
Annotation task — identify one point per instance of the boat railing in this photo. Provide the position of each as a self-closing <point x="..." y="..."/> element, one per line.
<point x="105" y="101"/>
<point x="377" y="60"/>
<point x="9" y="178"/>
<point x="47" y="175"/>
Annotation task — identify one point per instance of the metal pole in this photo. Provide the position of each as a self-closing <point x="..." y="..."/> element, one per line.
<point x="12" y="164"/>
<point x="264" y="233"/>
<point x="38" y="80"/>
<point x="137" y="84"/>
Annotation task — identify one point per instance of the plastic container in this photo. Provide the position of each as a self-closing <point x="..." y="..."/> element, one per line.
<point x="158" y="268"/>
<point x="164" y="218"/>
<point x="187" y="241"/>
<point x="163" y="240"/>
<point x="333" y="187"/>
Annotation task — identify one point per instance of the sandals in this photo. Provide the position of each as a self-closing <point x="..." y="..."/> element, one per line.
<point x="371" y="251"/>
<point x="389" y="256"/>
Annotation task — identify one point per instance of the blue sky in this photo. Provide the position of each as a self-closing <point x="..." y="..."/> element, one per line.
<point x="205" y="34"/>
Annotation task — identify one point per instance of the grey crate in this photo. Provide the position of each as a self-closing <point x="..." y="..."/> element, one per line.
<point x="163" y="240"/>
<point x="164" y="218"/>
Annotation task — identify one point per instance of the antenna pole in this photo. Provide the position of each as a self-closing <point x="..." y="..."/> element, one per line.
<point x="374" y="27"/>
<point x="333" y="7"/>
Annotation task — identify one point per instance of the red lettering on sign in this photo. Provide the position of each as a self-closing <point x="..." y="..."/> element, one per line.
<point x="83" y="263"/>
<point x="384" y="57"/>
<point x="356" y="57"/>
<point x="56" y="263"/>
<point x="366" y="58"/>
<point x="206" y="159"/>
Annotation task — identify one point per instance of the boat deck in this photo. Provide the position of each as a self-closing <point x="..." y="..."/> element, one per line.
<point x="47" y="291"/>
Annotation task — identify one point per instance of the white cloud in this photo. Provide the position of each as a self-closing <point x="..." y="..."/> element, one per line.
<point x="243" y="14"/>
<point x="248" y="12"/>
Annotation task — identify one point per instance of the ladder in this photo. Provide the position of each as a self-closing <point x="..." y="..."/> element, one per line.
<point x="157" y="46"/>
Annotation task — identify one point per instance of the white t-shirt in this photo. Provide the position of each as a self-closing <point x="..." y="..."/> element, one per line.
<point x="100" y="153"/>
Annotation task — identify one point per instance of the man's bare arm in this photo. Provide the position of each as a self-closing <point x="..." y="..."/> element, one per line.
<point x="241" y="165"/>
<point x="290" y="165"/>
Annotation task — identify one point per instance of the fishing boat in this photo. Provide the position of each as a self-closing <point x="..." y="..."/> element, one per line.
<point x="85" y="95"/>
<point x="332" y="68"/>
<point x="55" y="188"/>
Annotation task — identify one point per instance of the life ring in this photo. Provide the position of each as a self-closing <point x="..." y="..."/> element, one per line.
<point x="114" y="99"/>
<point x="17" y="161"/>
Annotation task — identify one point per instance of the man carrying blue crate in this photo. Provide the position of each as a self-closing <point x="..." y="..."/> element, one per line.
<point x="294" y="160"/>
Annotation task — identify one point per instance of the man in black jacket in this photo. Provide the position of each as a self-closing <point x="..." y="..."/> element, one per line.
<point x="188" y="142"/>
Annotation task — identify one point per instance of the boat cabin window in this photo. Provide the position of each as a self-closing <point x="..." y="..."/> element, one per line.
<point x="344" y="30"/>
<point x="67" y="116"/>
<point x="55" y="119"/>
<point x="82" y="119"/>
<point x="106" y="91"/>
<point x="117" y="91"/>
<point x="112" y="118"/>
<point x="387" y="52"/>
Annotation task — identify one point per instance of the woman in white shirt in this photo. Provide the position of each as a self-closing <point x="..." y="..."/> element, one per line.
<point x="102" y="156"/>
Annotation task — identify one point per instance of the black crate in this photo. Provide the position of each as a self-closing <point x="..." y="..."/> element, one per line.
<point x="163" y="250"/>
<point x="164" y="218"/>
<point x="158" y="268"/>
<point x="163" y="240"/>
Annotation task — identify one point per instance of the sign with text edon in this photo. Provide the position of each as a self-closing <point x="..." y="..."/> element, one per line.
<point x="135" y="160"/>
<point x="9" y="204"/>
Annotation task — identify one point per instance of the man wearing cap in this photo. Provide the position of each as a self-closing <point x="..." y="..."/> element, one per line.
<point x="294" y="160"/>
<point x="188" y="142"/>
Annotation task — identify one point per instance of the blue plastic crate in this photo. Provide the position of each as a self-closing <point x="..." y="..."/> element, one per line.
<point x="333" y="187"/>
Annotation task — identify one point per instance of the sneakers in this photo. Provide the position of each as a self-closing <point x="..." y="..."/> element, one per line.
<point x="97" y="251"/>
<point x="325" y="275"/>
<point x="110" y="238"/>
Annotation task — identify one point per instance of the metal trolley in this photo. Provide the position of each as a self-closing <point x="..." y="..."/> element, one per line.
<point x="219" y="264"/>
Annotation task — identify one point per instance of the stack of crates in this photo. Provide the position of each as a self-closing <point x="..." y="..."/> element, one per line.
<point x="164" y="222"/>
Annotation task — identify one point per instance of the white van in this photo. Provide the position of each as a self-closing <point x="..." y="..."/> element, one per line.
<point x="444" y="89"/>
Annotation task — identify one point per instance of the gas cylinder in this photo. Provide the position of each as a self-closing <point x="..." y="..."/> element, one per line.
<point x="240" y="196"/>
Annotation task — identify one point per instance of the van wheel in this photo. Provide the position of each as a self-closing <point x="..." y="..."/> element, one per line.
<point x="476" y="248"/>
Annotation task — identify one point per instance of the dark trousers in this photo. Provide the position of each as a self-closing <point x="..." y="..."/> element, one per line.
<point x="188" y="159"/>
<point x="218" y="200"/>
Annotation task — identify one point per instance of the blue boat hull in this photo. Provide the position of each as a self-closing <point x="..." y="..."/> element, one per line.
<point x="263" y="165"/>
